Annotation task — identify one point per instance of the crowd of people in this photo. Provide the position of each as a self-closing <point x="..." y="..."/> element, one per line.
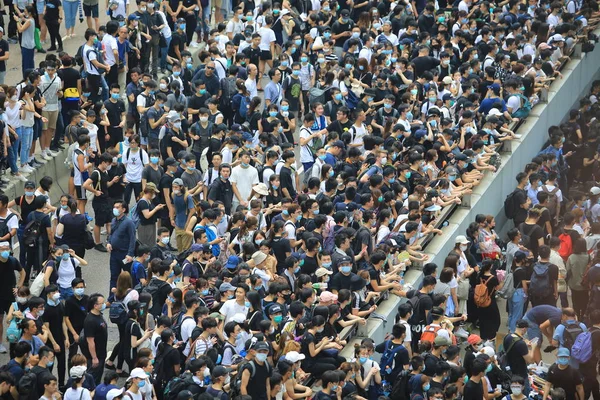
<point x="261" y="195"/>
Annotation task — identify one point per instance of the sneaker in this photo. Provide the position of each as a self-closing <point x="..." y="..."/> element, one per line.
<point x="13" y="40"/>
<point x="461" y="332"/>
<point x="51" y="153"/>
<point x="103" y="231"/>
<point x="101" y="248"/>
<point x="46" y="156"/>
<point x="5" y="178"/>
<point x="25" y="170"/>
<point x="21" y="177"/>
<point x="3" y="349"/>
<point x="36" y="163"/>
<point x="52" y="48"/>
<point x="41" y="51"/>
<point x="194" y="44"/>
<point x="59" y="50"/>
<point x="89" y="219"/>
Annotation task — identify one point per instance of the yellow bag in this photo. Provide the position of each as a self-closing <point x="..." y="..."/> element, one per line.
<point x="72" y="94"/>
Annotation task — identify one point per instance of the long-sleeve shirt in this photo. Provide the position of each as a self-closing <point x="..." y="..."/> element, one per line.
<point x="123" y="235"/>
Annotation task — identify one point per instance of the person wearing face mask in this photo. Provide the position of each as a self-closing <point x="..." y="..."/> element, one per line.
<point x="54" y="313"/>
<point x="146" y="230"/>
<point x="44" y="367"/>
<point x="95" y="330"/>
<point x="220" y="375"/>
<point x="75" y="314"/>
<point x="255" y="375"/>
<point x="331" y="388"/>
<point x="562" y="375"/>
<point x="133" y="329"/>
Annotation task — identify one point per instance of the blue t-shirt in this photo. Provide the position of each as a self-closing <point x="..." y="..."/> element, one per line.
<point x="138" y="272"/>
<point x="102" y="389"/>
<point x="540" y="314"/>
<point x="181" y="209"/>
<point x="330" y="159"/>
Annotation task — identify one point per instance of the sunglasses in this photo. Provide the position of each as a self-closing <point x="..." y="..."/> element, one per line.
<point x="210" y="67"/>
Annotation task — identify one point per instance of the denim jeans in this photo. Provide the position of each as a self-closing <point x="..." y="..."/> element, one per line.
<point x="205" y="18"/>
<point x="515" y="308"/>
<point x="27" y="59"/>
<point x="13" y="154"/>
<point x="163" y="53"/>
<point x="26" y="135"/>
<point x="65" y="293"/>
<point x="2" y="76"/>
<point x="70" y="8"/>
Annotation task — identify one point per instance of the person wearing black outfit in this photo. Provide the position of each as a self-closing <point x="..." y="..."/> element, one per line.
<point x="100" y="183"/>
<point x="75" y="313"/>
<point x="221" y="189"/>
<point x="54" y="313"/>
<point x="96" y="337"/>
<point x="53" y="17"/>
<point x="43" y="368"/>
<point x="26" y="206"/>
<point x="167" y="364"/>
<point x="519" y="354"/>
<point x="473" y="388"/>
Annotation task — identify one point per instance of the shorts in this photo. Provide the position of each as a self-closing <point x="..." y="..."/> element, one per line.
<point x="5" y="306"/>
<point x="143" y="140"/>
<point x="102" y="212"/>
<point x="39" y="5"/>
<point x="266" y="55"/>
<point x="80" y="192"/>
<point x="52" y="117"/>
<point x="534" y="331"/>
<point x="90" y="11"/>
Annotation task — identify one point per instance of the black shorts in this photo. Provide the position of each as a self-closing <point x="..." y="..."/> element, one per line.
<point x="80" y="192"/>
<point x="102" y="212"/>
<point x="90" y="11"/>
<point x="266" y="55"/>
<point x="5" y="305"/>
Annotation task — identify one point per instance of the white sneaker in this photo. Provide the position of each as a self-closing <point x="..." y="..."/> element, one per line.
<point x="3" y="349"/>
<point x="46" y="156"/>
<point x="5" y="178"/>
<point x="51" y="153"/>
<point x="103" y="232"/>
<point x="21" y="178"/>
<point x="25" y="170"/>
<point x="194" y="44"/>
<point x="461" y="332"/>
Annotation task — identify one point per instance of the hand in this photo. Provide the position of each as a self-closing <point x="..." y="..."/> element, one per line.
<point x="122" y="124"/>
<point x="374" y="370"/>
<point x="129" y="259"/>
<point x="148" y="332"/>
<point x="75" y="338"/>
<point x="244" y="203"/>
<point x="108" y="247"/>
<point x="115" y="179"/>
<point x="95" y="362"/>
<point x="67" y="343"/>
<point x="161" y="206"/>
<point x="98" y="193"/>
<point x="56" y="348"/>
<point x="44" y="120"/>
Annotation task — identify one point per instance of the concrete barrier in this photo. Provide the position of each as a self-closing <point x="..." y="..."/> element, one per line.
<point x="488" y="197"/>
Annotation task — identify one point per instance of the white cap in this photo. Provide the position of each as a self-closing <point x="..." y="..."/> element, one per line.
<point x="294" y="356"/>
<point x="112" y="393"/>
<point x="461" y="239"/>
<point x="593" y="191"/>
<point x="138" y="373"/>
<point x="494" y="111"/>
<point x="488" y="351"/>
<point x="239" y="318"/>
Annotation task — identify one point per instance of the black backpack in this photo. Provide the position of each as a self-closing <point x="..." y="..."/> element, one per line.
<point x="228" y="90"/>
<point x="570" y="334"/>
<point x="400" y="387"/>
<point x="32" y="232"/>
<point x="177" y="385"/>
<point x="153" y="288"/>
<point x="236" y="384"/>
<point x="510" y="208"/>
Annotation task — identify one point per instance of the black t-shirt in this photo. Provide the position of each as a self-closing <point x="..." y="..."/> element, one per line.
<point x="473" y="390"/>
<point x="567" y="378"/>
<point x="310" y="265"/>
<point x="281" y="246"/>
<point x="305" y="342"/>
<point x="515" y="359"/>
<point x="424" y="303"/>
<point x="54" y="317"/>
<point x="339" y="127"/>
<point x="166" y="182"/>
<point x="94" y="326"/>
<point x="338" y="27"/>
<point x="363" y="237"/>
<point x="177" y="41"/>
<point x="142" y="205"/>
<point x="76" y="311"/>
<point x="7" y="278"/>
<point x="117" y="189"/>
<point x="114" y="111"/>
<point x="535" y="233"/>
<point x="3" y="50"/>
<point x="321" y="395"/>
<point x="168" y="141"/>
<point x="152" y="175"/>
<point x="52" y="7"/>
<point x="285" y="178"/>
<point x="257" y="385"/>
<point x="132" y="329"/>
<point x="431" y="362"/>
<point x="340" y="281"/>
<point x="41" y="373"/>
<point x="519" y="275"/>
<point x="544" y="217"/>
<point x="170" y="357"/>
<point x="400" y="359"/>
<point x="101" y="178"/>
<point x="26" y="207"/>
<point x="69" y="76"/>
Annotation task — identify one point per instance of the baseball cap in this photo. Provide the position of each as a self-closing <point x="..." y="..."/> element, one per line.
<point x="77" y="372"/>
<point x="563" y="352"/>
<point x="322" y="272"/>
<point x="185" y="394"/>
<point x="520" y="255"/>
<point x="225" y="286"/>
<point x="113" y="393"/>
<point x="261" y="346"/>
<point x="30" y="184"/>
<point x="294" y="356"/>
<point x="345" y="13"/>
<point x="170" y="161"/>
<point x="473" y="339"/>
<point x="232" y="262"/>
<point x="441" y="341"/>
<point x="327" y="296"/>
<point x="338" y="143"/>
<point x="595" y="190"/>
<point x="196" y="247"/>
<point x="137" y="373"/>
<point x="275" y="309"/>
<point x="461" y="239"/>
<point x="132" y="17"/>
<point x="219" y="371"/>
<point x="178" y="182"/>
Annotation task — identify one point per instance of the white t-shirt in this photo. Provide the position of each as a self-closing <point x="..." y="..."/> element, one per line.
<point x="133" y="396"/>
<point x="187" y="327"/>
<point x="267" y="36"/>
<point x="166" y="31"/>
<point x="109" y="44"/>
<point x="234" y="27"/>
<point x="66" y="272"/>
<point x="244" y="178"/>
<point x="76" y="394"/>
<point x="513" y="103"/>
<point x="93" y="134"/>
<point x="134" y="165"/>
<point x="89" y="54"/>
<point x="230" y="308"/>
<point x="50" y="87"/>
<point x="408" y="337"/>
<point x="290" y="230"/>
<point x="251" y="87"/>
<point x="306" y="156"/>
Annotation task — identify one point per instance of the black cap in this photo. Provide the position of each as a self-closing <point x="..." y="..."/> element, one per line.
<point x="29" y="184"/>
<point x="522" y="323"/>
<point x="345" y="13"/>
<point x="461" y="157"/>
<point x="170" y="161"/>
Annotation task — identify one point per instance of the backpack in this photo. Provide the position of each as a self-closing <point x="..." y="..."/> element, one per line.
<point x="134" y="214"/>
<point x="228" y="90"/>
<point x="152" y="288"/>
<point x="143" y="118"/>
<point x="177" y="326"/>
<point x="177" y="385"/>
<point x="4" y="225"/>
<point x="481" y="296"/>
<point x="400" y="387"/>
<point x="414" y="302"/>
<point x="571" y="333"/>
<point x="525" y="238"/>
<point x="581" y="350"/>
<point x="524" y="110"/>
<point x="27" y="386"/>
<point x="79" y="56"/>
<point x="387" y="358"/>
<point x="539" y="285"/>
<point x="235" y="388"/>
<point x="329" y="241"/>
<point x="118" y="311"/>
<point x="317" y="95"/>
<point x="508" y="288"/>
<point x="503" y="355"/>
<point x="429" y="333"/>
<point x="552" y="201"/>
<point x="510" y="208"/>
<point x="13" y="333"/>
<point x="566" y="245"/>
<point x="242" y="111"/>
<point x="32" y="232"/>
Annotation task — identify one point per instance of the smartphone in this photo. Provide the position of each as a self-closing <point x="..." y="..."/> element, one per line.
<point x="124" y="261"/>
